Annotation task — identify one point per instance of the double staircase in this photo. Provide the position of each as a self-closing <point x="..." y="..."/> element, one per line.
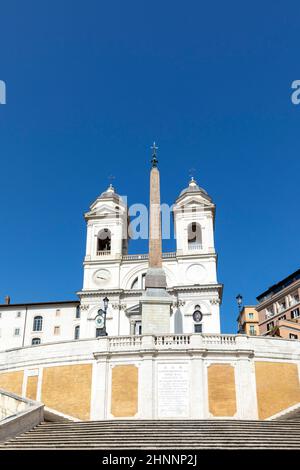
<point x="163" y="434"/>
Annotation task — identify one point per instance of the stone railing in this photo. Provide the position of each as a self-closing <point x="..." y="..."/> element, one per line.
<point x="195" y="246"/>
<point x="173" y="341"/>
<point x="103" y="253"/>
<point x="124" y="343"/>
<point x="146" y="256"/>
<point x="18" y="414"/>
<point x="224" y="340"/>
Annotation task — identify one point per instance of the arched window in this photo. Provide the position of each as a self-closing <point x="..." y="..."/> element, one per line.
<point x="77" y="311"/>
<point x="194" y="236"/>
<point x="139" y="282"/>
<point x="178" y="322"/>
<point x="104" y="240"/>
<point x="37" y="323"/>
<point x="35" y="341"/>
<point x="77" y="332"/>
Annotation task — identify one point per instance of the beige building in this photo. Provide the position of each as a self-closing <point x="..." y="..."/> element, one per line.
<point x="248" y="321"/>
<point x="279" y="308"/>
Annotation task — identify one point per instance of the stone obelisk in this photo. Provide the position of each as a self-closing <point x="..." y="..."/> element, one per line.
<point x="156" y="302"/>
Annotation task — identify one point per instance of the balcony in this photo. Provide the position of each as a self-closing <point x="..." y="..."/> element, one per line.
<point x="195" y="246"/>
<point x="104" y="253"/>
<point x="146" y="256"/>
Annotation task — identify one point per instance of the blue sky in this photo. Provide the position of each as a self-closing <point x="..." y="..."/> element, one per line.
<point x="91" y="84"/>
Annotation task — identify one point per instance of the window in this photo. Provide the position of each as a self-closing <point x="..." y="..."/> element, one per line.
<point x="198" y="328"/>
<point x="77" y="312"/>
<point x="37" y="323"/>
<point x="283" y="317"/>
<point x="252" y="330"/>
<point x="17" y="332"/>
<point x="194" y="236"/>
<point x="251" y="316"/>
<point x="57" y="330"/>
<point x="57" y="313"/>
<point x="291" y="336"/>
<point x="294" y="299"/>
<point x="270" y="326"/>
<point x="269" y="312"/>
<point x="138" y="328"/>
<point x="282" y="306"/>
<point x="135" y="284"/>
<point x="143" y="280"/>
<point x="295" y="313"/>
<point x="77" y="332"/>
<point x="18" y="315"/>
<point x="104" y="240"/>
<point x="35" y="341"/>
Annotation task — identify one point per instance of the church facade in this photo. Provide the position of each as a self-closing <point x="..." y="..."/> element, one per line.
<point x="159" y="353"/>
<point x="109" y="271"/>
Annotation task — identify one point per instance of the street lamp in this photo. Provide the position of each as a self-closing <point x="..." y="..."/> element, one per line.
<point x="105" y="303"/>
<point x="239" y="299"/>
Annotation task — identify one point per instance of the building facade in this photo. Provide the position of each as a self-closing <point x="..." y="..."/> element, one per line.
<point x="109" y="271"/>
<point x="248" y="321"/>
<point x="279" y="308"/>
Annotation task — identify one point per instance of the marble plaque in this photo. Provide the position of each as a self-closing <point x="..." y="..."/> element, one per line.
<point x="173" y="390"/>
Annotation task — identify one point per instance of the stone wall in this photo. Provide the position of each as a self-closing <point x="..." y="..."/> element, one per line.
<point x="156" y="377"/>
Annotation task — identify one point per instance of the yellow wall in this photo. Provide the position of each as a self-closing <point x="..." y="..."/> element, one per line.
<point x="68" y="389"/>
<point x="221" y="390"/>
<point x="277" y="386"/>
<point x="12" y="381"/>
<point x="124" y="393"/>
<point x="31" y="387"/>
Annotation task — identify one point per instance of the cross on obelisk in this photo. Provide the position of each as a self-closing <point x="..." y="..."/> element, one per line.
<point x="156" y="302"/>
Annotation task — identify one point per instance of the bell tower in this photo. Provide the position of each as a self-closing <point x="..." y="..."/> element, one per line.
<point x="194" y="217"/>
<point x="107" y="240"/>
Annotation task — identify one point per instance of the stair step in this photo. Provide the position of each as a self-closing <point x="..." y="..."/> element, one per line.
<point x="165" y="434"/>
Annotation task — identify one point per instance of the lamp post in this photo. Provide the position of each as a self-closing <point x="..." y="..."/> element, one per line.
<point x="105" y="304"/>
<point x="239" y="300"/>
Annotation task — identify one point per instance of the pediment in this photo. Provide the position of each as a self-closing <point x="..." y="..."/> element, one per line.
<point x="194" y="201"/>
<point x="135" y="310"/>
<point x="100" y="209"/>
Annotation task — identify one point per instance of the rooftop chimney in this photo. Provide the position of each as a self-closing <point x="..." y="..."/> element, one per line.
<point x="7" y="299"/>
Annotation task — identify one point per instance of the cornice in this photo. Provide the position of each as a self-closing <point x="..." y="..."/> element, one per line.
<point x="279" y="295"/>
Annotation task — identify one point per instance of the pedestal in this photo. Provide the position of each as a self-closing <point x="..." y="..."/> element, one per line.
<point x="156" y="311"/>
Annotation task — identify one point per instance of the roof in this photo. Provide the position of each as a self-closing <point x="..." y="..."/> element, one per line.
<point x="194" y="188"/>
<point x="26" y="304"/>
<point x="110" y="193"/>
<point x="287" y="281"/>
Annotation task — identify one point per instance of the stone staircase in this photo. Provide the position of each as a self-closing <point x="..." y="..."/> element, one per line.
<point x="163" y="434"/>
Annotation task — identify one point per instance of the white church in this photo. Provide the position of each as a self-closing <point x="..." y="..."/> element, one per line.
<point x="143" y="339"/>
<point x="110" y="272"/>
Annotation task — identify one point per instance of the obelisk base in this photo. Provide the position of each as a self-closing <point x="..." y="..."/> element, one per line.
<point x="155" y="304"/>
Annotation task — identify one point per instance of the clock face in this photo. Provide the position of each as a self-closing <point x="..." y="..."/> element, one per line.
<point x="102" y="276"/>
<point x="99" y="320"/>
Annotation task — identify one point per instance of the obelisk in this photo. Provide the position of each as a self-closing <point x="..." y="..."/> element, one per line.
<point x="156" y="302"/>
